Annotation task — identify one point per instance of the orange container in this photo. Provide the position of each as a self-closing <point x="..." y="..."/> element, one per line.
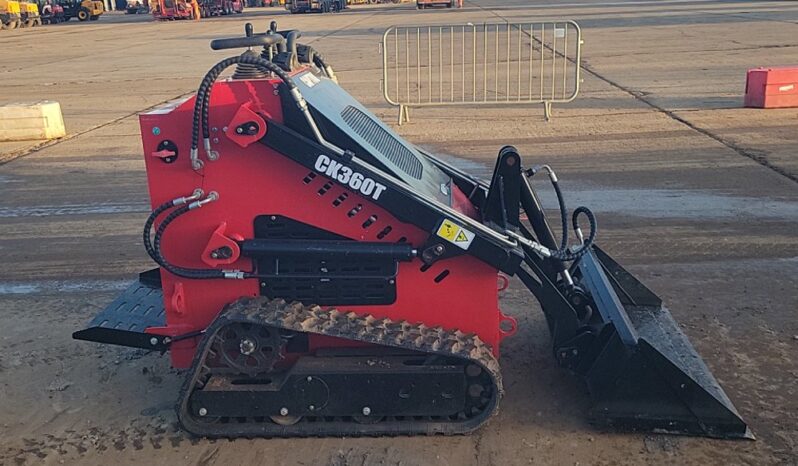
<point x="775" y="87"/>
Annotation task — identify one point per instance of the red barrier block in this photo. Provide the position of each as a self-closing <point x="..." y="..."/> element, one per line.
<point x="775" y="87"/>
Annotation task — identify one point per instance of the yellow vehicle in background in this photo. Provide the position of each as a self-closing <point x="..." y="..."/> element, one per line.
<point x="9" y="14"/>
<point x="82" y="10"/>
<point x="29" y="14"/>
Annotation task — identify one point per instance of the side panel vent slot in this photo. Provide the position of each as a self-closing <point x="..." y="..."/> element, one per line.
<point x="309" y="177"/>
<point x="340" y="199"/>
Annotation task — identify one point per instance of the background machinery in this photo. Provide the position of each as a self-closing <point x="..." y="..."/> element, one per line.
<point x="29" y="14"/>
<point x="83" y="10"/>
<point x="220" y="7"/>
<point x="261" y="3"/>
<point x="167" y="10"/>
<point x="423" y="4"/>
<point x="14" y="14"/>
<point x="136" y="7"/>
<point x="370" y="2"/>
<point x="319" y="275"/>
<point x="314" y="6"/>
<point x="10" y="17"/>
<point x="52" y="13"/>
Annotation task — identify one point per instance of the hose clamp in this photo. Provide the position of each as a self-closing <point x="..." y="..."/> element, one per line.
<point x="552" y="176"/>
<point x="196" y="163"/>
<point x="210" y="153"/>
<point x="579" y="235"/>
<point x="233" y="274"/>
<point x="300" y="101"/>
<point x="184" y="200"/>
<point x="533" y="245"/>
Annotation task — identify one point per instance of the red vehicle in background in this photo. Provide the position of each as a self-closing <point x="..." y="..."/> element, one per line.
<point x="171" y="9"/>
<point x="52" y="13"/>
<point x="220" y="7"/>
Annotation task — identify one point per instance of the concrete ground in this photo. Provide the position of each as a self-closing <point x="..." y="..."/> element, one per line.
<point x="696" y="195"/>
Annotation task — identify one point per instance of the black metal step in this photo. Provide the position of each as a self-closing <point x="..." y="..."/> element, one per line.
<point x="125" y="321"/>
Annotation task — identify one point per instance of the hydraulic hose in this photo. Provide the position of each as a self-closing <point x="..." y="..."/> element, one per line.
<point x="158" y="211"/>
<point x="564" y="254"/>
<point x="560" y="200"/>
<point x="202" y="103"/>
<point x="563" y="214"/>
<point x="180" y="271"/>
<point x="245" y="59"/>
<point x="148" y="227"/>
<point x="318" y="60"/>
<point x="207" y="80"/>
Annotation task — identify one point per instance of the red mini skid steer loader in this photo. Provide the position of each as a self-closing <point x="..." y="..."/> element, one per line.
<point x="318" y="275"/>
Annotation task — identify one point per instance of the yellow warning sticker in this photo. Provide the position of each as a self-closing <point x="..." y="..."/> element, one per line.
<point x="455" y="234"/>
<point x="448" y="230"/>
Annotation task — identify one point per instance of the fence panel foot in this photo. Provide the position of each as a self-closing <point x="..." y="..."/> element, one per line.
<point x="404" y="114"/>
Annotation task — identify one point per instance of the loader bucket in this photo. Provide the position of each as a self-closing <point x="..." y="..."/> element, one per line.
<point x="647" y="376"/>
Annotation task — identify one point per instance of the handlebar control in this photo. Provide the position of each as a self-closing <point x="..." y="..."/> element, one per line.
<point x="250" y="40"/>
<point x="241" y="42"/>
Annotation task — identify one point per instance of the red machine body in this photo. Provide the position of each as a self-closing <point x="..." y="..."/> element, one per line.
<point x="251" y="181"/>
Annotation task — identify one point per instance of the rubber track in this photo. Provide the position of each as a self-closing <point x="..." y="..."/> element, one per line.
<point x="366" y="328"/>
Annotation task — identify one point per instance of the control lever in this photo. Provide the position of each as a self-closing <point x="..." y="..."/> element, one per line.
<point x="250" y="40"/>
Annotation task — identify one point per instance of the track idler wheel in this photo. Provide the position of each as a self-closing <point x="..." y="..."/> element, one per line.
<point x="250" y="348"/>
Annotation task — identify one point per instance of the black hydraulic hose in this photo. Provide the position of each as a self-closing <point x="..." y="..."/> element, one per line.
<point x="564" y="254"/>
<point x="246" y="59"/>
<point x="591" y="220"/>
<point x="536" y="216"/>
<point x="207" y="80"/>
<point x="203" y="98"/>
<point x="202" y="103"/>
<point x="563" y="215"/>
<point x="148" y="227"/>
<point x="529" y="202"/>
<point x="318" y="60"/>
<point x="173" y="269"/>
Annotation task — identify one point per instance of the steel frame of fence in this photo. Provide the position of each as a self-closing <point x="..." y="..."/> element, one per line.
<point x="547" y="54"/>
